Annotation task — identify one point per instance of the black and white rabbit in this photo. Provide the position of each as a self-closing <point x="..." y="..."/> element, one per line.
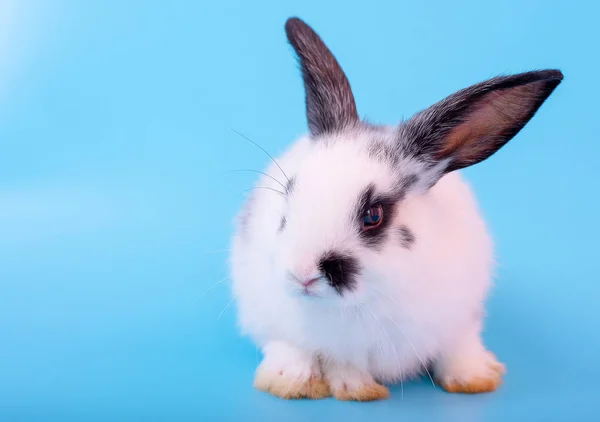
<point x="372" y="262"/>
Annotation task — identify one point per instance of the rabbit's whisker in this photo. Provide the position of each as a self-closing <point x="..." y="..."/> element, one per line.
<point x="266" y="187"/>
<point x="263" y="173"/>
<point x="217" y="251"/>
<point x="393" y="347"/>
<point x="403" y="335"/>
<point x="412" y="346"/>
<point x="216" y="284"/>
<point x="263" y="150"/>
<point x="226" y="306"/>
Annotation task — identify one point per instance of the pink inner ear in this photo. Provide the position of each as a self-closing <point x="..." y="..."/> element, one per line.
<point x="489" y="119"/>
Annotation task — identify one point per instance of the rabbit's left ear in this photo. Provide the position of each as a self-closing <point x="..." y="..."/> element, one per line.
<point x="472" y="124"/>
<point x="330" y="103"/>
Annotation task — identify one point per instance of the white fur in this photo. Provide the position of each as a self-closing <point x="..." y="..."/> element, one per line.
<point x="411" y="307"/>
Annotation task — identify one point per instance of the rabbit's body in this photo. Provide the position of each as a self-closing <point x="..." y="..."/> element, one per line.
<point x="447" y="266"/>
<point x="362" y="256"/>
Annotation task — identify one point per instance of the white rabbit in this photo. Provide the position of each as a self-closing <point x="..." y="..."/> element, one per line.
<point x="361" y="258"/>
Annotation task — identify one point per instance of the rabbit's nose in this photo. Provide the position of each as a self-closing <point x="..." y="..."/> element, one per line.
<point x="308" y="282"/>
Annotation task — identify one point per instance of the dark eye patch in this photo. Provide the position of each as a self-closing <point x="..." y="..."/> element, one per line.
<point x="375" y="236"/>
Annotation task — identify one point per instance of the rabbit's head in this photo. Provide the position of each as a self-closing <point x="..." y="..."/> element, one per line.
<point x="339" y="224"/>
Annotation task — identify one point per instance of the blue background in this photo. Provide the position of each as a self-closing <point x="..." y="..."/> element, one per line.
<point x="116" y="197"/>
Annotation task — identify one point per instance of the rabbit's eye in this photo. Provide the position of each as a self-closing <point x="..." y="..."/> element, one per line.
<point x="373" y="217"/>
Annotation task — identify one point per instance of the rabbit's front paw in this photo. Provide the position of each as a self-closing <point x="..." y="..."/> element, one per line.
<point x="289" y="373"/>
<point x="350" y="384"/>
<point x="472" y="375"/>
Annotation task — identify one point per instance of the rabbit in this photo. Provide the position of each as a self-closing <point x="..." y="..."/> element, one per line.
<point x="360" y="258"/>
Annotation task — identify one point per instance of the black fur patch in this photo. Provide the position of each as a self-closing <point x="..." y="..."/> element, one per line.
<point x="289" y="188"/>
<point x="244" y="215"/>
<point x="282" y="224"/>
<point x="340" y="269"/>
<point x="407" y="237"/>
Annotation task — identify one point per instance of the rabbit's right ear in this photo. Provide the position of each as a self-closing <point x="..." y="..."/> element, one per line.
<point x="470" y="125"/>
<point x="330" y="105"/>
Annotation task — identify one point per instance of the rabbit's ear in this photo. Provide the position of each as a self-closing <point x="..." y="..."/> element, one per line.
<point x="330" y="103"/>
<point x="472" y="124"/>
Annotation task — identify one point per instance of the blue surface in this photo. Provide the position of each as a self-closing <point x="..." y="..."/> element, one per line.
<point x="116" y="147"/>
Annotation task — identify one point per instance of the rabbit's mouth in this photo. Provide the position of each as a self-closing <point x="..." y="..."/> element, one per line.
<point x="313" y="286"/>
